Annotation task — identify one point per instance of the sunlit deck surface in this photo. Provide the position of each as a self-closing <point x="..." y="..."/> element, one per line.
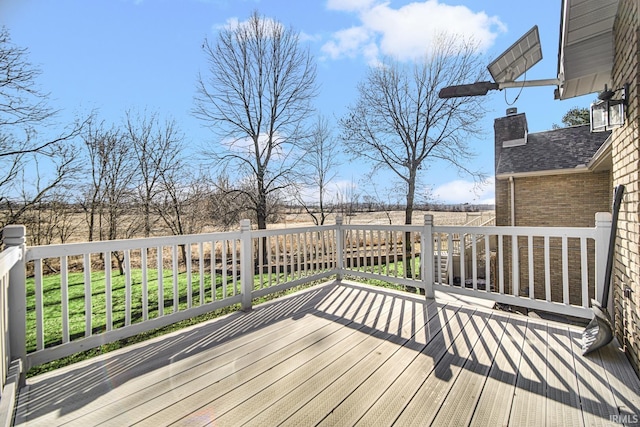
<point x="346" y="354"/>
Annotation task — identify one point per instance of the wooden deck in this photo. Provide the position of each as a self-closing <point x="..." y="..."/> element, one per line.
<point x="346" y="354"/>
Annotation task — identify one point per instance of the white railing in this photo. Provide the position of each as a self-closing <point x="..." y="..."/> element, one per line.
<point x="114" y="289"/>
<point x="161" y="281"/>
<point x="8" y="258"/>
<point x="12" y="281"/>
<point x="551" y="269"/>
<point x="557" y="270"/>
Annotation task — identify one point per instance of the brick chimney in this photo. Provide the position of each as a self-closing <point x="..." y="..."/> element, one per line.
<point x="509" y="131"/>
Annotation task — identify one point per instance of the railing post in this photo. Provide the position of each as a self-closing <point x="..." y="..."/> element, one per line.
<point x="246" y="263"/>
<point x="428" y="265"/>
<point x="339" y="248"/>
<point x="15" y="235"/>
<point x="603" y="233"/>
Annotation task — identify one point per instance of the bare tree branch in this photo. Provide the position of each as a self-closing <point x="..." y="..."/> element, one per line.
<point x="399" y="122"/>
<point x="255" y="98"/>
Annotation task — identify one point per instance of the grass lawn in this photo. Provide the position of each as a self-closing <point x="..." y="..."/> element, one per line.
<point x="52" y="307"/>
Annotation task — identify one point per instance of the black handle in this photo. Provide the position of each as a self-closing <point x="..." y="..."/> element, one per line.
<point x="617" y="199"/>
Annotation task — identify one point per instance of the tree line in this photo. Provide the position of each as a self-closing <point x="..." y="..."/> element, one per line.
<point x="273" y="148"/>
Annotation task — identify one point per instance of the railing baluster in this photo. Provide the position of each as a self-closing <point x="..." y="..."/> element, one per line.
<point x="234" y="269"/>
<point x="213" y="268"/>
<point x="299" y="255"/>
<point x="64" y="296"/>
<point x="145" y="284"/>
<point x="380" y="243"/>
<point x="107" y="285"/>
<point x="487" y="263"/>
<point x="395" y="253"/>
<point x="547" y="270"/>
<point x="160" y="267"/>
<point x="37" y="267"/>
<point x="375" y="244"/>
<point x="450" y="257"/>
<point x="584" y="270"/>
<point x="463" y="272"/>
<point x="174" y="274"/>
<point x="501" y="263"/>
<point x="224" y="268"/>
<point x="474" y="262"/>
<point x="305" y="253"/>
<point x="189" y="276"/>
<point x="290" y="258"/>
<point x="278" y="264"/>
<point x="531" y="269"/>
<point x="127" y="287"/>
<point x="406" y="249"/>
<point x="269" y="259"/>
<point x="86" y="266"/>
<point x="260" y="263"/>
<point x="565" y="271"/>
<point x="201" y="272"/>
<point x="357" y="249"/>
<point x="515" y="262"/>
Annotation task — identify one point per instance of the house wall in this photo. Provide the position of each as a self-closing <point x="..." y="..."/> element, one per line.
<point x="626" y="158"/>
<point x="564" y="200"/>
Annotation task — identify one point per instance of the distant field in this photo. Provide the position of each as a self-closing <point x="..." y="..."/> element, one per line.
<point x="79" y="233"/>
<point x="387" y="218"/>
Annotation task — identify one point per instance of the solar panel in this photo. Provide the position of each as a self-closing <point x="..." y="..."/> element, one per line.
<point x="516" y="60"/>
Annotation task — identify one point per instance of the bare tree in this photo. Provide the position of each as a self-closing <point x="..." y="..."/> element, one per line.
<point x="318" y="169"/>
<point x="399" y="123"/>
<point x="226" y="206"/>
<point x="50" y="220"/>
<point x="25" y="116"/>
<point x="348" y="199"/>
<point x="109" y="198"/>
<point x="256" y="97"/>
<point x="157" y="148"/>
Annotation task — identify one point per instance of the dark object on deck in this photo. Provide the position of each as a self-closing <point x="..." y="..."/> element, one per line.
<point x="599" y="332"/>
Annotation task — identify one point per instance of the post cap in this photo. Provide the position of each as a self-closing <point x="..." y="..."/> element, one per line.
<point x="14" y="235"/>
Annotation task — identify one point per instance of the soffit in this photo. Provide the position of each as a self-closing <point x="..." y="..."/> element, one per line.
<point x="585" y="59"/>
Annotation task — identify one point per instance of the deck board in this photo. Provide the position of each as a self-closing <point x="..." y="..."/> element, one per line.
<point x="529" y="406"/>
<point x="344" y="354"/>
<point x="460" y="404"/>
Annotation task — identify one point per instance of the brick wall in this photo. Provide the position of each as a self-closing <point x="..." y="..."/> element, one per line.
<point x="564" y="200"/>
<point x="568" y="200"/>
<point x="626" y="165"/>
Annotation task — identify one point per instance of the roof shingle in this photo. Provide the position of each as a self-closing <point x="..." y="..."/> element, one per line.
<point x="558" y="149"/>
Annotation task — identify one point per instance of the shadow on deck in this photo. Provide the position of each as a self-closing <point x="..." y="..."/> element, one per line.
<point x="346" y="354"/>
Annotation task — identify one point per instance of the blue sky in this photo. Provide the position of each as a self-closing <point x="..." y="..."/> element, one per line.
<point x="114" y="55"/>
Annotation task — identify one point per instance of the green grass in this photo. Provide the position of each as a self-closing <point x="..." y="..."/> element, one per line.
<point x="393" y="269"/>
<point x="53" y="314"/>
<point x="52" y="309"/>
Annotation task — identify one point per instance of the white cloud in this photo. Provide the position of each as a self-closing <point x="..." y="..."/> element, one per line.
<point x="306" y="37"/>
<point x="349" y="42"/>
<point x="461" y="191"/>
<point x="349" y="5"/>
<point x="407" y="32"/>
<point x="246" y="145"/>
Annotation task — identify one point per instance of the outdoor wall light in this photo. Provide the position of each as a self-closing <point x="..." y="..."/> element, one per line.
<point x="607" y="113"/>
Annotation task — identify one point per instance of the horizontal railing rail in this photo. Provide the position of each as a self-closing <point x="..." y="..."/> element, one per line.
<point x="83" y="295"/>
